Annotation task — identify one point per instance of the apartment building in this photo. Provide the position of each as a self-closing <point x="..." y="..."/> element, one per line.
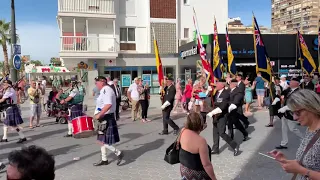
<point x="235" y="26"/>
<point x="117" y="35"/>
<point x="290" y="15"/>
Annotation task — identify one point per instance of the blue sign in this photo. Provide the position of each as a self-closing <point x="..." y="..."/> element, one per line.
<point x="17" y="62"/>
<point x="146" y="78"/>
<point x="316" y="44"/>
<point x="16" y="49"/>
<point x="126" y="80"/>
<point x="95" y="65"/>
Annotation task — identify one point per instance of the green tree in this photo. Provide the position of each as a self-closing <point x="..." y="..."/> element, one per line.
<point x="36" y="62"/>
<point x="4" y="41"/>
<point x="55" y="61"/>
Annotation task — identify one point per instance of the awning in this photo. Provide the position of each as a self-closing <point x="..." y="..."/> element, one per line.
<point x="245" y="64"/>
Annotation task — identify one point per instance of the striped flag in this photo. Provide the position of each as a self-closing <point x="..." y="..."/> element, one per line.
<point x="232" y="69"/>
<point x="203" y="55"/>
<point x="158" y="61"/>
<point x="218" y="67"/>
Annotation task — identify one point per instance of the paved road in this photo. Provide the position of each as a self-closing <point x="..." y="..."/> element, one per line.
<point x="144" y="150"/>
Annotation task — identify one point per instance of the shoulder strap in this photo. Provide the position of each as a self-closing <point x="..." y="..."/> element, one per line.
<point x="178" y="138"/>
<point x="310" y="144"/>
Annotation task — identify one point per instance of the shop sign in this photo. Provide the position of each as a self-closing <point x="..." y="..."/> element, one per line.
<point x="146" y="79"/>
<point x="126" y="80"/>
<point x="190" y="52"/>
<point x="315" y="44"/>
<point x="243" y="51"/>
<point x="289" y="70"/>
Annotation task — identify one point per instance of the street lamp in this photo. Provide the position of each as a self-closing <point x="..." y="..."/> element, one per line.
<point x="13" y="71"/>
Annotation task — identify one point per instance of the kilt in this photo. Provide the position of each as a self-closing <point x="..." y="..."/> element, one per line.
<point x="13" y="117"/>
<point x="76" y="111"/>
<point x="111" y="135"/>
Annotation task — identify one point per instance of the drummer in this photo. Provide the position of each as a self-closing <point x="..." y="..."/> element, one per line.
<point x="75" y="106"/>
<point x="13" y="118"/>
<point x="106" y="107"/>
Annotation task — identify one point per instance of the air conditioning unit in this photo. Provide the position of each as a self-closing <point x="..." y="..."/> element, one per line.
<point x="183" y="41"/>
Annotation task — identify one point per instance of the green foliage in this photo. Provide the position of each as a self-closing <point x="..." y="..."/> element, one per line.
<point x="36" y="62"/>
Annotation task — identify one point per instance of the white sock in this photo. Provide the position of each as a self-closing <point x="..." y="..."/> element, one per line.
<point x="69" y="128"/>
<point x="20" y="133"/>
<point x="5" y="132"/>
<point x="103" y="153"/>
<point x="113" y="149"/>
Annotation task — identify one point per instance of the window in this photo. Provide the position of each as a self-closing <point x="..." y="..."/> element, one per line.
<point x="127" y="39"/>
<point x="186" y="2"/>
<point x="186" y="33"/>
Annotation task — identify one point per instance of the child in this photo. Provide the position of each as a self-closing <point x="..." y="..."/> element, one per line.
<point x="248" y="96"/>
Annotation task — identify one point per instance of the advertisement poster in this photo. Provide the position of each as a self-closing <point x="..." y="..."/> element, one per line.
<point x="126" y="80"/>
<point x="155" y="81"/>
<point x="146" y="78"/>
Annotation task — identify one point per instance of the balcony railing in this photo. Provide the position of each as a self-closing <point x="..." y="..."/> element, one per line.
<point x="88" y="44"/>
<point x="87" y="6"/>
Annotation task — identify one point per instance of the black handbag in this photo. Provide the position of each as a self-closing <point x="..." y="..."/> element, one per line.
<point x="172" y="152"/>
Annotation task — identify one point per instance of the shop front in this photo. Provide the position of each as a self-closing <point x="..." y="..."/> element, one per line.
<point x="282" y="50"/>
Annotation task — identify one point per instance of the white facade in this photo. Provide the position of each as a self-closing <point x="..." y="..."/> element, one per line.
<point x="90" y="29"/>
<point x="206" y="10"/>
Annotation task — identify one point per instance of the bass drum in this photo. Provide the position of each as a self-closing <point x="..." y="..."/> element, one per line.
<point x="83" y="127"/>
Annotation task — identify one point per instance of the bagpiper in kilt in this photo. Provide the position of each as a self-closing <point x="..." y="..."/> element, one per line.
<point x="13" y="117"/>
<point x="107" y="128"/>
<point x="74" y="100"/>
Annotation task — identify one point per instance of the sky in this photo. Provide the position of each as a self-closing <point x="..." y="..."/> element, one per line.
<point x="39" y="34"/>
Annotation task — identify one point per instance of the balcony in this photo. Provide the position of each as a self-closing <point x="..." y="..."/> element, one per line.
<point x="87" y="8"/>
<point x="88" y="47"/>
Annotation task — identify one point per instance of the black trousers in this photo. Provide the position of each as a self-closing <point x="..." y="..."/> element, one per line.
<point x="167" y="120"/>
<point x="242" y="117"/>
<point x="233" y="119"/>
<point x="118" y="100"/>
<point x="219" y="130"/>
<point x="187" y="104"/>
<point x="144" y="107"/>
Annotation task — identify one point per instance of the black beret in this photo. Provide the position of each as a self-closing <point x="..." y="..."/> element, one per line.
<point x="234" y="81"/>
<point x="8" y="82"/>
<point x="170" y="78"/>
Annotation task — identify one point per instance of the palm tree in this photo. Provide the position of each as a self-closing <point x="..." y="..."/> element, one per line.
<point x="4" y="40"/>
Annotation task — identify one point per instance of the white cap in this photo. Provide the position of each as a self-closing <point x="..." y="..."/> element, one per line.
<point x="283" y="76"/>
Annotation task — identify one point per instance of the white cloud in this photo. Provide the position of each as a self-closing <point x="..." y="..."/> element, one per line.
<point x="40" y="41"/>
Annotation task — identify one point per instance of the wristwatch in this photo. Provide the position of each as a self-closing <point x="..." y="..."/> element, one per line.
<point x="307" y="175"/>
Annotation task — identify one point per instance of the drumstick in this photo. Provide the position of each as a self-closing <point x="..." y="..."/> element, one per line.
<point x="266" y="156"/>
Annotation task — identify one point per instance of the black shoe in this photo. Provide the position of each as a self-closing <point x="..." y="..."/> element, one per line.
<point x="215" y="152"/>
<point x="163" y="133"/>
<point x="175" y="132"/>
<point x="246" y="138"/>
<point x="236" y="151"/>
<point x="21" y="140"/>
<point x="101" y="163"/>
<point x="120" y="157"/>
<point x="68" y="135"/>
<point x="4" y="140"/>
<point x="281" y="147"/>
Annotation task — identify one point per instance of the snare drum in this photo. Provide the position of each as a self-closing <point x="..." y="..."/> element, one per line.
<point x="83" y="127"/>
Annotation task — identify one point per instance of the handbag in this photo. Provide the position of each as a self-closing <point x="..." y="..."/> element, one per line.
<point x="308" y="147"/>
<point x="172" y="152"/>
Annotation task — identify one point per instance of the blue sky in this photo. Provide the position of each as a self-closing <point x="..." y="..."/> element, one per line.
<point x="39" y="33"/>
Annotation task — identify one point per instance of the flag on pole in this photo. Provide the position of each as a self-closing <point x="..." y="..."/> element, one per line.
<point x="203" y="55"/>
<point x="307" y="63"/>
<point x="218" y="67"/>
<point x="158" y="61"/>
<point x="262" y="59"/>
<point x="232" y="69"/>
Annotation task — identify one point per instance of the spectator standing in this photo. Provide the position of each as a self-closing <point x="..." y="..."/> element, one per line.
<point x="188" y="93"/>
<point x="178" y="96"/>
<point x="260" y="89"/>
<point x="35" y="94"/>
<point x="134" y="97"/>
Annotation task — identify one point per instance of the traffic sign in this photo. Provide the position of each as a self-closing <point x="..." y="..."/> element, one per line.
<point x="16" y="49"/>
<point x="17" y="62"/>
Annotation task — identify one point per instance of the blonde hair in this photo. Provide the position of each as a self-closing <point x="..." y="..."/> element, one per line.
<point x="305" y="99"/>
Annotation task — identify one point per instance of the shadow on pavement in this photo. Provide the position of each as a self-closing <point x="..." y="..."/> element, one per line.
<point x="262" y="167"/>
<point x="63" y="150"/>
<point x="132" y="155"/>
<point x="72" y="162"/>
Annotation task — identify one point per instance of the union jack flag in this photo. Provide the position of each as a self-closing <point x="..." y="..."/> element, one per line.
<point x="202" y="51"/>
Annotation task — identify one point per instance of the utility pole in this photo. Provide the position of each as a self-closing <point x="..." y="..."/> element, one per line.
<point x="13" y="71"/>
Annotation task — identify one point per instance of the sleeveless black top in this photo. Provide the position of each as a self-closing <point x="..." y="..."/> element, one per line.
<point x="192" y="161"/>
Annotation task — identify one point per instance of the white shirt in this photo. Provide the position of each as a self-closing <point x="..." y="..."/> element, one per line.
<point x="133" y="89"/>
<point x="11" y="93"/>
<point x="284" y="85"/>
<point x="107" y="97"/>
<point x="233" y="89"/>
<point x="44" y="83"/>
<point x="110" y="82"/>
<point x="73" y="93"/>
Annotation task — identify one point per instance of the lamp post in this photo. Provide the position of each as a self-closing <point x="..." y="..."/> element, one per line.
<point x="13" y="71"/>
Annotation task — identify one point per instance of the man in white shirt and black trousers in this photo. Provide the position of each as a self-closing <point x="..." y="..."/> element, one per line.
<point x="168" y="99"/>
<point x="107" y="127"/>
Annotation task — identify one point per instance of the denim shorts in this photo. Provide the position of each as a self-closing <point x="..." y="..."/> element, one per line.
<point x="260" y="92"/>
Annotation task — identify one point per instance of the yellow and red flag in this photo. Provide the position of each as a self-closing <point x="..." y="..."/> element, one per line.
<point x="158" y="61"/>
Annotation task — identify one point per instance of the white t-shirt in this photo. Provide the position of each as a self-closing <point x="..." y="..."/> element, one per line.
<point x="11" y="93"/>
<point x="284" y="85"/>
<point x="107" y="97"/>
<point x="44" y="83"/>
<point x="133" y="89"/>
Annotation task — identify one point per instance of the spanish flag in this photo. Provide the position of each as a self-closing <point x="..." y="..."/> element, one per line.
<point x="232" y="69"/>
<point x="158" y="61"/>
<point x="307" y="63"/>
